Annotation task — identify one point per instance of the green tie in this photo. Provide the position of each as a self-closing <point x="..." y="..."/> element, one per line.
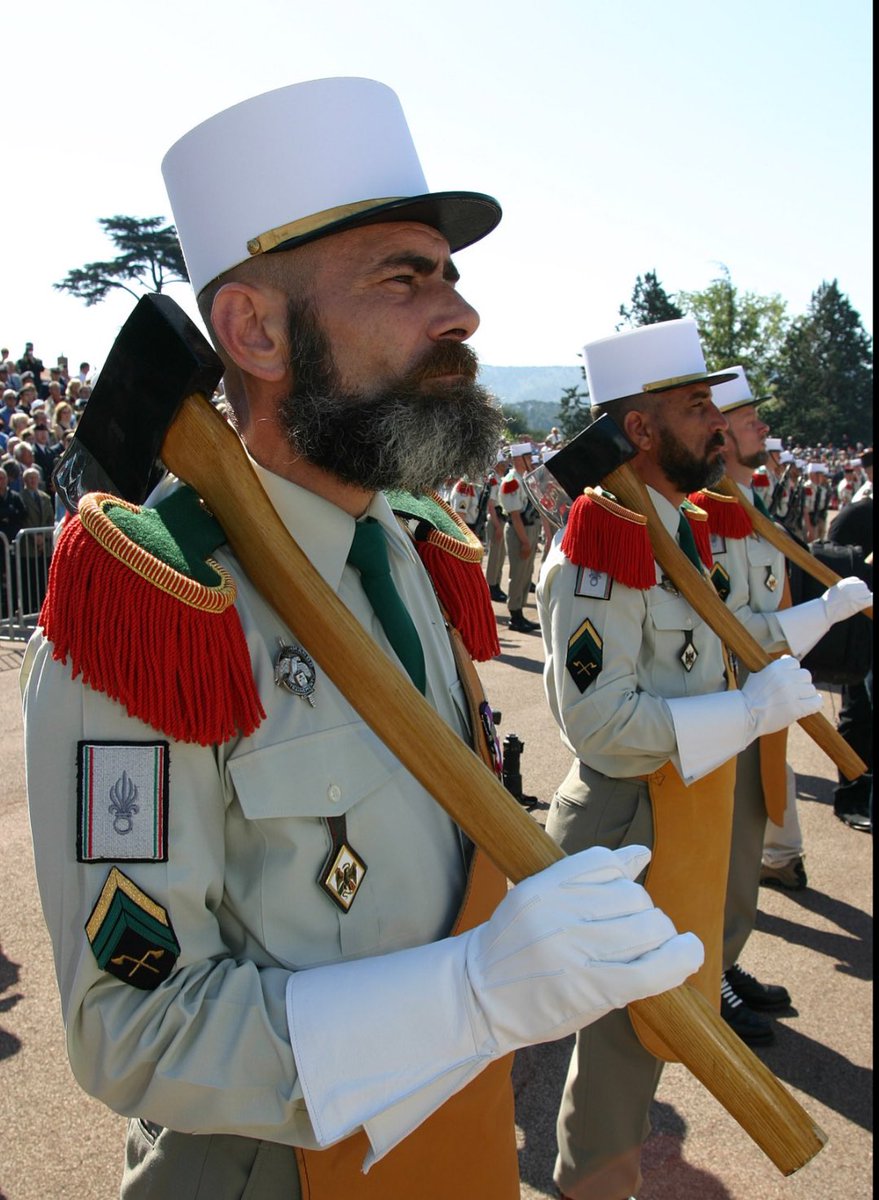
<point x="369" y="555"/>
<point x="687" y="543"/>
<point x="760" y="506"/>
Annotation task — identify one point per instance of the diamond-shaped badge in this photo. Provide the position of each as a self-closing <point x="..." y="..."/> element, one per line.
<point x="343" y="875"/>
<point x="689" y="654"/>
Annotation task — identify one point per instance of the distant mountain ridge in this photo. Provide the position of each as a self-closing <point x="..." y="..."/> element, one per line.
<point x="534" y="392"/>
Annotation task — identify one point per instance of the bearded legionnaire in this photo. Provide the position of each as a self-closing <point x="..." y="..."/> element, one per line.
<point x="646" y="702"/>
<point x="750" y="575"/>
<point x="251" y="899"/>
<point x="522" y="533"/>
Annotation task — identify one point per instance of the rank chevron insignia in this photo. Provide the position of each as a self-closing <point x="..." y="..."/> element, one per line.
<point x="130" y="934"/>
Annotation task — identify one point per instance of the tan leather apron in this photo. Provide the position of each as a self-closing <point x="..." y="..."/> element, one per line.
<point x="467" y="1148"/>
<point x="692" y="830"/>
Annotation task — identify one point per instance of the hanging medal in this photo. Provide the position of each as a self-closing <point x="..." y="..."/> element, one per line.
<point x="344" y="869"/>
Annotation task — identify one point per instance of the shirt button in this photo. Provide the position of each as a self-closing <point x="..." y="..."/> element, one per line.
<point x="334" y="793"/>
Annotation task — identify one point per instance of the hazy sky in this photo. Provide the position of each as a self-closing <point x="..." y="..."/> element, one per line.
<point x="619" y="137"/>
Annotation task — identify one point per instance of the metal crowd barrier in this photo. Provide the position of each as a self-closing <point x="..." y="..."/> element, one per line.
<point x="24" y="573"/>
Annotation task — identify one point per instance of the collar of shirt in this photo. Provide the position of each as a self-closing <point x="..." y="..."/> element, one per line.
<point x="323" y="531"/>
<point x="666" y="511"/>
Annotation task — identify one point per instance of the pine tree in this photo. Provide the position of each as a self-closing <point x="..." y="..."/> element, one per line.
<point x="824" y="381"/>
<point x="150" y="256"/>
<point x="650" y="304"/>
<point x="574" y="412"/>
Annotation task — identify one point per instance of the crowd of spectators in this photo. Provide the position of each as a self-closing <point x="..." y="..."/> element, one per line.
<point x="39" y="408"/>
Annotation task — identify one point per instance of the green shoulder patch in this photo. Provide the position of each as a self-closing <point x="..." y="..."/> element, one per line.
<point x="720" y="579"/>
<point x="130" y="934"/>
<point x="584" y="659"/>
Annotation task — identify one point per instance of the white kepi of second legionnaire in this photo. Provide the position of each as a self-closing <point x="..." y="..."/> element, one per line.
<point x="736" y="393"/>
<point x="651" y="358"/>
<point x="274" y="185"/>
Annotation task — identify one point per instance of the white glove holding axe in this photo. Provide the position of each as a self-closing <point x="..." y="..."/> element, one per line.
<point x="804" y="625"/>
<point x="711" y="729"/>
<point x="382" y="1042"/>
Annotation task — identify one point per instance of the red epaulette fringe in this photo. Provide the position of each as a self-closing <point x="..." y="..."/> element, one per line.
<point x="511" y="485"/>
<point x="167" y="648"/>
<point x="726" y="517"/>
<point x="702" y="531"/>
<point x="607" y="537"/>
<point x="463" y="593"/>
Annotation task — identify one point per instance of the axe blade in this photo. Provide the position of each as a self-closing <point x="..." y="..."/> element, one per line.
<point x="158" y="358"/>
<point x="591" y="456"/>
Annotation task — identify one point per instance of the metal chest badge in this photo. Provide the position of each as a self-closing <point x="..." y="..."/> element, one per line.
<point x="295" y="672"/>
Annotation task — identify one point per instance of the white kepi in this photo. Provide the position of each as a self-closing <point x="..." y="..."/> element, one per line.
<point x="299" y="163"/>
<point x="736" y="393"/>
<point x="650" y="358"/>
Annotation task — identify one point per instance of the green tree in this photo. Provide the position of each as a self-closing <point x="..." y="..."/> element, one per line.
<point x="650" y="304"/>
<point x="516" y="425"/>
<point x="574" y="412"/>
<point x="739" y="329"/>
<point x="824" y="381"/>
<point x="149" y="257"/>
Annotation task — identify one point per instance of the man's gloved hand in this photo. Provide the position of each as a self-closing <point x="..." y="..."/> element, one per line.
<point x="778" y="695"/>
<point x="383" y="1041"/>
<point x="570" y="944"/>
<point x="804" y="625"/>
<point x="846" y="598"/>
<point x="711" y="729"/>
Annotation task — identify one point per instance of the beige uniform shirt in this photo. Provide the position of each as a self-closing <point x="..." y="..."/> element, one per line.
<point x="756" y="571"/>
<point x="208" y="1050"/>
<point x="619" y="725"/>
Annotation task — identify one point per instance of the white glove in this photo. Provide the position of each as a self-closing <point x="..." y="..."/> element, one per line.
<point x="804" y="625"/>
<point x="711" y="729"/>
<point x="778" y="695"/>
<point x="383" y="1041"/>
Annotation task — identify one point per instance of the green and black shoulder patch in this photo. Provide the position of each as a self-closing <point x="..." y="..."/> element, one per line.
<point x="584" y="658"/>
<point x="130" y="934"/>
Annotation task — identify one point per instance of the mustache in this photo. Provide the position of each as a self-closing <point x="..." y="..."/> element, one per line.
<point x="717" y="439"/>
<point x="446" y="358"/>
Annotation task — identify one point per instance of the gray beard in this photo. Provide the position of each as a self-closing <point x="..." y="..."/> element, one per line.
<point x="403" y="436"/>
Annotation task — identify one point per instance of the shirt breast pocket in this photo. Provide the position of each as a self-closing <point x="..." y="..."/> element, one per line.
<point x="279" y="840"/>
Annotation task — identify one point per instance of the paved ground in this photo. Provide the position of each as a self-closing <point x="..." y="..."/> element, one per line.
<point x="57" y="1143"/>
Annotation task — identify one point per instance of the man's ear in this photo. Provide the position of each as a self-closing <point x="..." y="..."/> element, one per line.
<point x="250" y="323"/>
<point x="638" y="428"/>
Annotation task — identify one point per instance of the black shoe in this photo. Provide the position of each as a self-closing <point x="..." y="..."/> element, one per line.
<point x="762" y="997"/>
<point x="496" y="594"/>
<point x="856" y="820"/>
<point x="791" y="877"/>
<point x="751" y="1028"/>
<point x="520" y="624"/>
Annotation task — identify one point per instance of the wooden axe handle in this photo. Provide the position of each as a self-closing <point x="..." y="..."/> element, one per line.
<point x="204" y="451"/>
<point x="625" y="484"/>
<point x="776" y="536"/>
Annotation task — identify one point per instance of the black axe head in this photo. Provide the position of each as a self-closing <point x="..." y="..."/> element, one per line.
<point x="586" y="460"/>
<point x="158" y="359"/>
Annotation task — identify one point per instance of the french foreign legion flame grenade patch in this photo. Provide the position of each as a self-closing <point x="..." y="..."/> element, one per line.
<point x="122" y="802"/>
